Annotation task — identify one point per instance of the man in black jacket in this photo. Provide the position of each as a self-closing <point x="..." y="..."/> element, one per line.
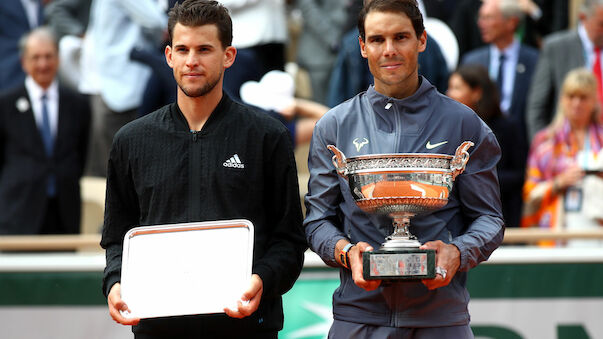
<point x="204" y="158"/>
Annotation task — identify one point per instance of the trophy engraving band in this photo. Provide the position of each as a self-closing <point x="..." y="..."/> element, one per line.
<point x="410" y="264"/>
<point x="398" y="264"/>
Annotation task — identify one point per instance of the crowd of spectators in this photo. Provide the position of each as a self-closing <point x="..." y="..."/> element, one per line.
<point x="507" y="60"/>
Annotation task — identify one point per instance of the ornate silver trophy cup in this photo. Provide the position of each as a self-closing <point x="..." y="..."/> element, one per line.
<point x="401" y="186"/>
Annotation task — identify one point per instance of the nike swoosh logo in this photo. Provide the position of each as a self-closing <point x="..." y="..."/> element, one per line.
<point x="429" y="145"/>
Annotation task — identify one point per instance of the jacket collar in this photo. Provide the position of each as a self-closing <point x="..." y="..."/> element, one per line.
<point x="383" y="104"/>
<point x="214" y="118"/>
<point x="386" y="109"/>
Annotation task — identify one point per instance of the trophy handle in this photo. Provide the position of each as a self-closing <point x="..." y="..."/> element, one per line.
<point x="459" y="161"/>
<point x="339" y="160"/>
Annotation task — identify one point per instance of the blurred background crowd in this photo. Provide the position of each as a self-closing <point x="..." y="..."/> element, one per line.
<point x="72" y="72"/>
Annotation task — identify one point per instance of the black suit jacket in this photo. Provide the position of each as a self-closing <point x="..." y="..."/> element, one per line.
<point x="25" y="167"/>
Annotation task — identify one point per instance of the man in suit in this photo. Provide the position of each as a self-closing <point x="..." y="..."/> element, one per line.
<point x="562" y="52"/>
<point x="43" y="141"/>
<point x="509" y="63"/>
<point x="323" y="26"/>
<point x="17" y="17"/>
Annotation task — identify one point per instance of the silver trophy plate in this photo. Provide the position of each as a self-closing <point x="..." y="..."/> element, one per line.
<point x="189" y="268"/>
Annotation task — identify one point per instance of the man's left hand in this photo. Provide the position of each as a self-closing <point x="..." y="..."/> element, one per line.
<point x="448" y="258"/>
<point x="250" y="301"/>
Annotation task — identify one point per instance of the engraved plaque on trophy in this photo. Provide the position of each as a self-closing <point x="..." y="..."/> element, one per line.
<point x="400" y="185"/>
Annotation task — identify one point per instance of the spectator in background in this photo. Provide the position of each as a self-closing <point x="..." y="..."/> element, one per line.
<point x="555" y="191"/>
<point x="322" y="30"/>
<point x="116" y="82"/>
<point x="17" y="17"/>
<point x="43" y="141"/>
<point x="471" y="85"/>
<point x="541" y="18"/>
<point x="562" y="52"/>
<point x="69" y="19"/>
<point x="259" y="34"/>
<point x="275" y="94"/>
<point x="510" y="63"/>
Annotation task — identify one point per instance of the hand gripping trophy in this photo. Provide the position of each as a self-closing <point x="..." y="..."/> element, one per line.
<point x="401" y="185"/>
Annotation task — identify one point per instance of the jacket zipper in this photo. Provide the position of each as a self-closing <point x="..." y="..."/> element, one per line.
<point x="396" y="128"/>
<point x="194" y="178"/>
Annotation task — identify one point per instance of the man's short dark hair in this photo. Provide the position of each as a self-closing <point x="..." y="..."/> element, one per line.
<point x="194" y="13"/>
<point x="408" y="7"/>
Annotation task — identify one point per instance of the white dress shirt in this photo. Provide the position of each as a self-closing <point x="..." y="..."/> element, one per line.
<point x="589" y="48"/>
<point x="35" y="93"/>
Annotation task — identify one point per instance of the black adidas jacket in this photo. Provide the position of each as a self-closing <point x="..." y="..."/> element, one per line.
<point x="240" y="165"/>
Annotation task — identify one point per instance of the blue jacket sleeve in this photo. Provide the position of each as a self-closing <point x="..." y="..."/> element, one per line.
<point x="322" y="226"/>
<point x="479" y="196"/>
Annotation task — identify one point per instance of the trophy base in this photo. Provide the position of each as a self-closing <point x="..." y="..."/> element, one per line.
<point x="399" y="264"/>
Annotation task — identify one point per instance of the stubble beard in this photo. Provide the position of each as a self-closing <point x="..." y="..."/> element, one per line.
<point x="208" y="87"/>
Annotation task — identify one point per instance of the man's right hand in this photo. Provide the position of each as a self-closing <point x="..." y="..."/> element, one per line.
<point x="116" y="305"/>
<point x="355" y="255"/>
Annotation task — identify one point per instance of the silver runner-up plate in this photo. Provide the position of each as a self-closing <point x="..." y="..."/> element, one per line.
<point x="188" y="268"/>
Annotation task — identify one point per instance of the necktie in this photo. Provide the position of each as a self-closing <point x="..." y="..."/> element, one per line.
<point x="48" y="143"/>
<point x="500" y="76"/>
<point x="597" y="72"/>
<point x="46" y="133"/>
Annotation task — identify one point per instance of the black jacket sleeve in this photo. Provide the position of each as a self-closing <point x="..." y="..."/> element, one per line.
<point x="121" y="213"/>
<point x="283" y="259"/>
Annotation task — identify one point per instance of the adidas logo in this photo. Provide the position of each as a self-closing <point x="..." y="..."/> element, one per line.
<point x="234" y="162"/>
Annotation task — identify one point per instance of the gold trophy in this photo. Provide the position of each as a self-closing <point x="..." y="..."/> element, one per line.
<point x="400" y="185"/>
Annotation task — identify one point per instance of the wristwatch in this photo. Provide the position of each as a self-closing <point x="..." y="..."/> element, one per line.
<point x="343" y="255"/>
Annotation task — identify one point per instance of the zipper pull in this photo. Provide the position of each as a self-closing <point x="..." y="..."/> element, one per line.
<point x="194" y="135"/>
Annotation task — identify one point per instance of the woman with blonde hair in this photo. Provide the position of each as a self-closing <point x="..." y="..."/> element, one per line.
<point x="561" y="154"/>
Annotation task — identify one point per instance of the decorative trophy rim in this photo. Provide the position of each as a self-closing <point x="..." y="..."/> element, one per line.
<point x="402" y="205"/>
<point x="401" y="155"/>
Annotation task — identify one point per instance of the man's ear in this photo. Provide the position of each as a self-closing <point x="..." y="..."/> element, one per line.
<point x="230" y="55"/>
<point x="423" y="42"/>
<point x="362" y="47"/>
<point x="168" y="56"/>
